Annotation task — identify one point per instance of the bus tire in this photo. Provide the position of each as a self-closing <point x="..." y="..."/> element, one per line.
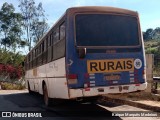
<point x="29" y="89"/>
<point x="47" y="100"/>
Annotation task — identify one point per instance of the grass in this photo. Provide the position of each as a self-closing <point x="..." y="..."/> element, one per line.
<point x="11" y="86"/>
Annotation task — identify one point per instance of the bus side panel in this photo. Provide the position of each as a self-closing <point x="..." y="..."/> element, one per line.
<point x="26" y="78"/>
<point x="40" y="86"/>
<point x="40" y="73"/>
<point x="57" y="82"/>
<point x="56" y="69"/>
<point x="58" y="88"/>
<point x="30" y="78"/>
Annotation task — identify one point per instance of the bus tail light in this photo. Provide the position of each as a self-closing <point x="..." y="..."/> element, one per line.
<point x="87" y="89"/>
<point x="137" y="84"/>
<point x="86" y="76"/>
<point x="72" y="78"/>
<point x="87" y="86"/>
<point x="144" y="74"/>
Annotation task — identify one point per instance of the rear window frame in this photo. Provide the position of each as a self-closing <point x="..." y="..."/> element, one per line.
<point x="101" y="47"/>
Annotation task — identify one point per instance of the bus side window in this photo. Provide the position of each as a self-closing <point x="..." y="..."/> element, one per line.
<point x="39" y="49"/>
<point x="62" y="31"/>
<point x="34" y="57"/>
<point x="42" y="46"/>
<point x="36" y="60"/>
<point x="48" y="42"/>
<point x="52" y="46"/>
<point x="40" y="54"/>
<point x="59" y="46"/>
<point x="56" y="35"/>
<point x="43" y="52"/>
<point x="46" y="50"/>
<point x="51" y="39"/>
<point x="49" y="50"/>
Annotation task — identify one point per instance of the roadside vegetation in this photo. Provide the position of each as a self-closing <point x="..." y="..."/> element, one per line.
<point x="12" y="86"/>
<point x="152" y="46"/>
<point x="152" y="41"/>
<point x="19" y="32"/>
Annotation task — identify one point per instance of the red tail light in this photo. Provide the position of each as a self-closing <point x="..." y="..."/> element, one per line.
<point x="72" y="76"/>
<point x="137" y="84"/>
<point x="86" y="75"/>
<point x="144" y="74"/>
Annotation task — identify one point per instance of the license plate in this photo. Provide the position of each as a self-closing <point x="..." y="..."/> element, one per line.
<point x="112" y="77"/>
<point x="109" y="66"/>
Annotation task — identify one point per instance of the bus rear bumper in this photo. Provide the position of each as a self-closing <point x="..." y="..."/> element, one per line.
<point x="95" y="91"/>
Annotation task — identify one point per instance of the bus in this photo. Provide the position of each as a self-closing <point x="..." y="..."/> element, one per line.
<point x="89" y="51"/>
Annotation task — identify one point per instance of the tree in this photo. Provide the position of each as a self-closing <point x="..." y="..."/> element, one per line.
<point x="40" y="28"/>
<point x="33" y="20"/>
<point x="10" y="27"/>
<point x="152" y="34"/>
<point x="157" y="33"/>
<point x="10" y="64"/>
<point x="148" y="35"/>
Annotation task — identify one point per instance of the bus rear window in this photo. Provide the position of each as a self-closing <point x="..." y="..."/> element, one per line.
<point x="106" y="30"/>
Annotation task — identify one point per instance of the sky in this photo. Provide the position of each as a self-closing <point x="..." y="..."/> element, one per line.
<point x="149" y="10"/>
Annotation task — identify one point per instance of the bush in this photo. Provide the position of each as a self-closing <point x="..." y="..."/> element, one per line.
<point x="11" y="86"/>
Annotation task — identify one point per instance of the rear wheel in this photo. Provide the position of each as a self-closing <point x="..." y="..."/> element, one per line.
<point x="29" y="89"/>
<point x="47" y="100"/>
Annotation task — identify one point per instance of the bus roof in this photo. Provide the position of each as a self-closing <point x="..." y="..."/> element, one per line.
<point x="101" y="9"/>
<point x="108" y="9"/>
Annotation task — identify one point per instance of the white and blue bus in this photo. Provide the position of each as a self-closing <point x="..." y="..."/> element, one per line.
<point x="90" y="51"/>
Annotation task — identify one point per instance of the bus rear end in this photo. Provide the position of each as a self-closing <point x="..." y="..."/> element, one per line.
<point x="104" y="52"/>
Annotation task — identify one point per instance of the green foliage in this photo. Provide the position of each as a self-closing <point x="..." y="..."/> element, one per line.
<point x="10" y="27"/>
<point x="151" y="51"/>
<point x="7" y="57"/>
<point x="153" y="47"/>
<point x="30" y="24"/>
<point x="34" y="21"/>
<point x="39" y="29"/>
<point x="148" y="34"/>
<point x="151" y="34"/>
